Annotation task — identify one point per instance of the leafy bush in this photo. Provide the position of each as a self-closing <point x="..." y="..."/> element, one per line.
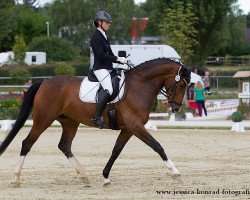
<point x="81" y="69"/>
<point x="10" y="103"/>
<point x="56" y="49"/>
<point x="9" y="108"/>
<point x="237" y="116"/>
<point x="11" y="113"/>
<point x="153" y="106"/>
<point x="182" y="111"/>
<point x="244" y="108"/>
<point x="64" y="69"/>
<point x="19" y="76"/>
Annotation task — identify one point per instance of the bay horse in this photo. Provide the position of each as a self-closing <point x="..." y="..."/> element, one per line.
<point x="58" y="99"/>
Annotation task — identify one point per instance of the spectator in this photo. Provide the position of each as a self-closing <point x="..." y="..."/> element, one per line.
<point x="190" y="92"/>
<point x="200" y="97"/>
<point x="207" y="82"/>
<point x="26" y="87"/>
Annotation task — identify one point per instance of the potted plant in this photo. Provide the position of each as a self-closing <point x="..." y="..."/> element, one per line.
<point x="237" y="118"/>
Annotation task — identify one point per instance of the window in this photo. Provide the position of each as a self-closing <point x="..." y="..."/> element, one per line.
<point x="122" y="54"/>
<point x="33" y="59"/>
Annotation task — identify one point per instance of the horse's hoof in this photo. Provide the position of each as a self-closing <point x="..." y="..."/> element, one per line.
<point x="176" y="175"/>
<point x="175" y="172"/>
<point x="106" y="182"/>
<point x="15" y="184"/>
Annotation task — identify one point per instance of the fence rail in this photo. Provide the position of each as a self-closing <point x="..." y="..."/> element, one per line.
<point x="231" y="61"/>
<point x="217" y="82"/>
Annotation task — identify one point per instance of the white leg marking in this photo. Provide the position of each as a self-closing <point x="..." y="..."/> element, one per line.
<point x="106" y="182"/>
<point x="17" y="171"/>
<point x="79" y="169"/>
<point x="170" y="165"/>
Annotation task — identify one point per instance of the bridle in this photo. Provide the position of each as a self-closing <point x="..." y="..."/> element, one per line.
<point x="172" y="87"/>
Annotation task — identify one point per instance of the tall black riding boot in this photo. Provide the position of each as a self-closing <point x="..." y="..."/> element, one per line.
<point x="103" y="99"/>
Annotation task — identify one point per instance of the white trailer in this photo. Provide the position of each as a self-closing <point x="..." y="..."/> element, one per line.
<point x="6" y="57"/>
<point x="141" y="53"/>
<point x="31" y="58"/>
<point x="35" y="58"/>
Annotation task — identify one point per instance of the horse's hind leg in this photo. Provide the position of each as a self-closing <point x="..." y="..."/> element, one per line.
<point x="69" y="131"/>
<point x="148" y="139"/>
<point x="121" y="141"/>
<point x="36" y="130"/>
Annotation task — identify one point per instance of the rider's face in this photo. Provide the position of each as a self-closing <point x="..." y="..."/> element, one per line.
<point x="105" y="25"/>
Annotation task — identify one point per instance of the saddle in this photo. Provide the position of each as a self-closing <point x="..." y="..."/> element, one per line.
<point x="90" y="89"/>
<point x="115" y="79"/>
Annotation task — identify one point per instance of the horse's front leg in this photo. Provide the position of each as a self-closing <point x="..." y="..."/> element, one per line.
<point x="147" y="138"/>
<point x="121" y="141"/>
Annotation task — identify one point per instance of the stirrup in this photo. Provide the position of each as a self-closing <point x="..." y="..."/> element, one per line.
<point x="97" y="121"/>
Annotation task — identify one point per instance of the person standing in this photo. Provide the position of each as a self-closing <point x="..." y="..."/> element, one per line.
<point x="103" y="59"/>
<point x="207" y="82"/>
<point x="26" y="86"/>
<point x="190" y="92"/>
<point x="200" y="97"/>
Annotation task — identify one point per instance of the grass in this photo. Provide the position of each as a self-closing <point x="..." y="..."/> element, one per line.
<point x="216" y="95"/>
<point x="11" y="89"/>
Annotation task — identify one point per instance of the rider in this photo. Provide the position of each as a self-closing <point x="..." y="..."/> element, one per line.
<point x="103" y="59"/>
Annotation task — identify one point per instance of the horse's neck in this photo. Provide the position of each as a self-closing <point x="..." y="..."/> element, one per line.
<point x="155" y="74"/>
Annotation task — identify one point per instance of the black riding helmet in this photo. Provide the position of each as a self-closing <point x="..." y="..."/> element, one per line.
<point x="103" y="16"/>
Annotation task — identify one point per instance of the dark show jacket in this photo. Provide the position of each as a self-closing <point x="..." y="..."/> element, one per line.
<point x="103" y="55"/>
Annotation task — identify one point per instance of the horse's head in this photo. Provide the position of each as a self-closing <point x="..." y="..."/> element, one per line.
<point x="176" y="87"/>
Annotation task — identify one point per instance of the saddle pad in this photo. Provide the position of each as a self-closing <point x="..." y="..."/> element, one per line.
<point x="89" y="89"/>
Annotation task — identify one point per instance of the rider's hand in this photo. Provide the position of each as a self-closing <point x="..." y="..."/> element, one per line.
<point x="124" y="67"/>
<point x="122" y="60"/>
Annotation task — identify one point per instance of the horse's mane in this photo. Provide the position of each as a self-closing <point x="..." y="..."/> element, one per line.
<point x="158" y="61"/>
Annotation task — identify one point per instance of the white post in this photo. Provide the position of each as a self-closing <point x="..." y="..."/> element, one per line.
<point x="47" y="23"/>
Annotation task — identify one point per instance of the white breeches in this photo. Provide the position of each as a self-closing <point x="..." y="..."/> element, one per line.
<point x="104" y="78"/>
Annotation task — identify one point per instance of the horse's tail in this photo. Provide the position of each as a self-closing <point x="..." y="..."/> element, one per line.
<point x="23" y="115"/>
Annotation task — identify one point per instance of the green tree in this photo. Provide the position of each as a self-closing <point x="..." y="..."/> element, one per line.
<point x="31" y="3"/>
<point x="213" y="32"/>
<point x="5" y="26"/>
<point x="74" y="19"/>
<point x="20" y="20"/>
<point x="237" y="25"/>
<point x="212" y="26"/>
<point x="248" y="20"/>
<point x="56" y="49"/>
<point x="177" y="30"/>
<point x="154" y="10"/>
<point x="6" y="4"/>
<point x="19" y="49"/>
